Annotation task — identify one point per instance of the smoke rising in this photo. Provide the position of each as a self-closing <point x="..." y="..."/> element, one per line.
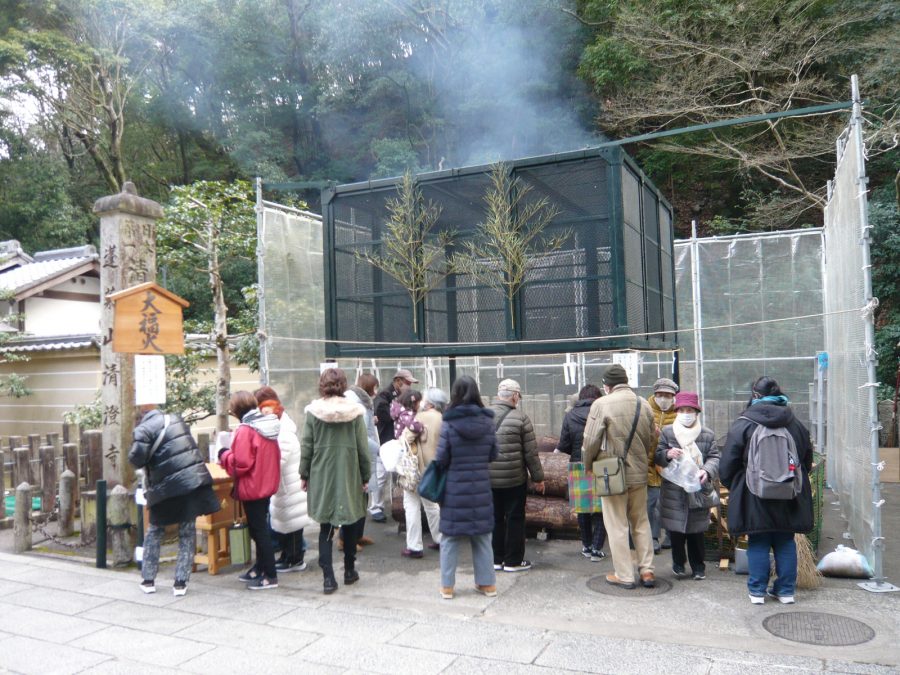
<point x="491" y="80"/>
<point x="504" y="92"/>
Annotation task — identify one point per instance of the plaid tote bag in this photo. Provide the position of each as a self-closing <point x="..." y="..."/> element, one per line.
<point x="581" y="490"/>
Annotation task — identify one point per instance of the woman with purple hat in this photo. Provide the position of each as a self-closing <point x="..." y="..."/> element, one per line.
<point x="686" y="515"/>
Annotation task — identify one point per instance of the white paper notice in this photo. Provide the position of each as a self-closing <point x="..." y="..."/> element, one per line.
<point x="631" y="362"/>
<point x="149" y="379"/>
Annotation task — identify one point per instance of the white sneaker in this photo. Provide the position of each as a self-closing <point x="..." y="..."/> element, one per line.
<point x="148" y="587"/>
<point x="179" y="590"/>
<point x="783" y="599"/>
<point x="758" y="599"/>
<point x="497" y="567"/>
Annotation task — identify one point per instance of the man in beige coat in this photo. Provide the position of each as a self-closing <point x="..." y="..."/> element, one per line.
<point x="608" y="426"/>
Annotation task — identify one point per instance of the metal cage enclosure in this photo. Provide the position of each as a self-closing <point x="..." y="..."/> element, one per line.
<point x="611" y="285"/>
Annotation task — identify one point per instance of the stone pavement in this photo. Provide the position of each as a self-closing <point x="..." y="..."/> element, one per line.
<point x="60" y="616"/>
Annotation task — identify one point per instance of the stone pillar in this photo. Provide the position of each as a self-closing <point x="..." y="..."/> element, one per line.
<point x="68" y="487"/>
<point x="22" y="521"/>
<point x="119" y="519"/>
<point x="127" y="258"/>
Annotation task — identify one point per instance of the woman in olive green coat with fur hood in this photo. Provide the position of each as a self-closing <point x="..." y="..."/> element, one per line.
<point x="334" y="469"/>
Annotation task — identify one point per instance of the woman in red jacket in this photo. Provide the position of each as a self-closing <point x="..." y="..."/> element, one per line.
<point x="254" y="460"/>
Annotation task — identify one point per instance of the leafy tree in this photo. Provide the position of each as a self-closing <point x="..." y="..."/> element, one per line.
<point x="661" y="64"/>
<point x="11" y="384"/>
<point x="511" y="239"/>
<point x="411" y="250"/>
<point x="184" y="393"/>
<point x="87" y="416"/>
<point x="207" y="227"/>
<point x="72" y="61"/>
<point x="36" y="206"/>
<point x="884" y="217"/>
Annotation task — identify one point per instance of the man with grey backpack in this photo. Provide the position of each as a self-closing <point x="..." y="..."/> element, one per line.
<point x="765" y="465"/>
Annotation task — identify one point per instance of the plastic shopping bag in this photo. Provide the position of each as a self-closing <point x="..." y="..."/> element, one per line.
<point x="684" y="472"/>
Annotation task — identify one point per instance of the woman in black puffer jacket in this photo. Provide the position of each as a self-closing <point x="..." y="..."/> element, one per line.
<point x="178" y="488"/>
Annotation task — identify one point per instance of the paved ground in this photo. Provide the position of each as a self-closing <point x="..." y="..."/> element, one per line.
<point x="61" y="616"/>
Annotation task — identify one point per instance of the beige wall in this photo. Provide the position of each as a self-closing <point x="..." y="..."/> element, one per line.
<point x="61" y="380"/>
<point x="57" y="316"/>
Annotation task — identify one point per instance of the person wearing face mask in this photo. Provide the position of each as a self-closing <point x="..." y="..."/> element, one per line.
<point x="662" y="403"/>
<point x="685" y="522"/>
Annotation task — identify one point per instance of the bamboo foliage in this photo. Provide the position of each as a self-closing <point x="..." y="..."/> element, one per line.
<point x="512" y="237"/>
<point x="411" y="251"/>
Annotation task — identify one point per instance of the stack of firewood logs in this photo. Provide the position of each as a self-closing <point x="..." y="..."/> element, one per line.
<point x="548" y="511"/>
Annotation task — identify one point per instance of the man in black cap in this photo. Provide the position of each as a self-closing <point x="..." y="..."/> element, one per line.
<point x="607" y="431"/>
<point x="380" y="493"/>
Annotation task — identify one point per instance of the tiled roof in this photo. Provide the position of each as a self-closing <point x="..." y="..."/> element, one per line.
<point x="22" y="278"/>
<point x="50" y="344"/>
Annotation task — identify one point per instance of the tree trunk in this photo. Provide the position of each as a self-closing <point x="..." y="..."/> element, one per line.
<point x="220" y="333"/>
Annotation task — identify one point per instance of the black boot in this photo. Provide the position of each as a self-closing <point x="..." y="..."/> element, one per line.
<point x="351" y="576"/>
<point x="330" y="585"/>
<point x="351" y="534"/>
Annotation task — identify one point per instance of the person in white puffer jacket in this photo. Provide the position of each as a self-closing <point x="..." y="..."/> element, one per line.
<point x="287" y="512"/>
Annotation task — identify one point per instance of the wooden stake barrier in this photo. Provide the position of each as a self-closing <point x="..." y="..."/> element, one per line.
<point x="48" y="478"/>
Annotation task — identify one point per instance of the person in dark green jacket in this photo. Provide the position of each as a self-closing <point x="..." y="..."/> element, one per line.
<point x="335" y="467"/>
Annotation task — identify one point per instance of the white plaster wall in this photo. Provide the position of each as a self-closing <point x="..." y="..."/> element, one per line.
<point x="50" y="316"/>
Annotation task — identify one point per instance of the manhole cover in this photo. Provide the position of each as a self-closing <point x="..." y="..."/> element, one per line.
<point x="599" y="585"/>
<point x="817" y="628"/>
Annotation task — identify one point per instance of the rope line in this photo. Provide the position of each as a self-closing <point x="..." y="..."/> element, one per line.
<point x="569" y="339"/>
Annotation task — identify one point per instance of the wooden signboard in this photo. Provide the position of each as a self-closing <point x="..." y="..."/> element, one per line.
<point x="147" y="320"/>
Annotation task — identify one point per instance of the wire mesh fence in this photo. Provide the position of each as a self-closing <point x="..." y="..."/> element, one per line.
<point x="852" y="427"/>
<point x="748" y="305"/>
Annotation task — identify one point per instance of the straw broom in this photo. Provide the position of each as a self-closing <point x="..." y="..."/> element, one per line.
<point x="807" y="575"/>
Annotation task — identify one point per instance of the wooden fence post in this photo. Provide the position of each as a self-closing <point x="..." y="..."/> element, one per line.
<point x="22" y="467"/>
<point x="48" y="478"/>
<point x="94" y="445"/>
<point x="70" y="457"/>
<point x="119" y="525"/>
<point x="54" y="440"/>
<point x="14" y="442"/>
<point x="34" y="444"/>
<point x="68" y="487"/>
<point x="22" y="522"/>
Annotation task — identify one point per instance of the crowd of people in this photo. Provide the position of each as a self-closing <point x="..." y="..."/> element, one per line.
<point x="331" y="472"/>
